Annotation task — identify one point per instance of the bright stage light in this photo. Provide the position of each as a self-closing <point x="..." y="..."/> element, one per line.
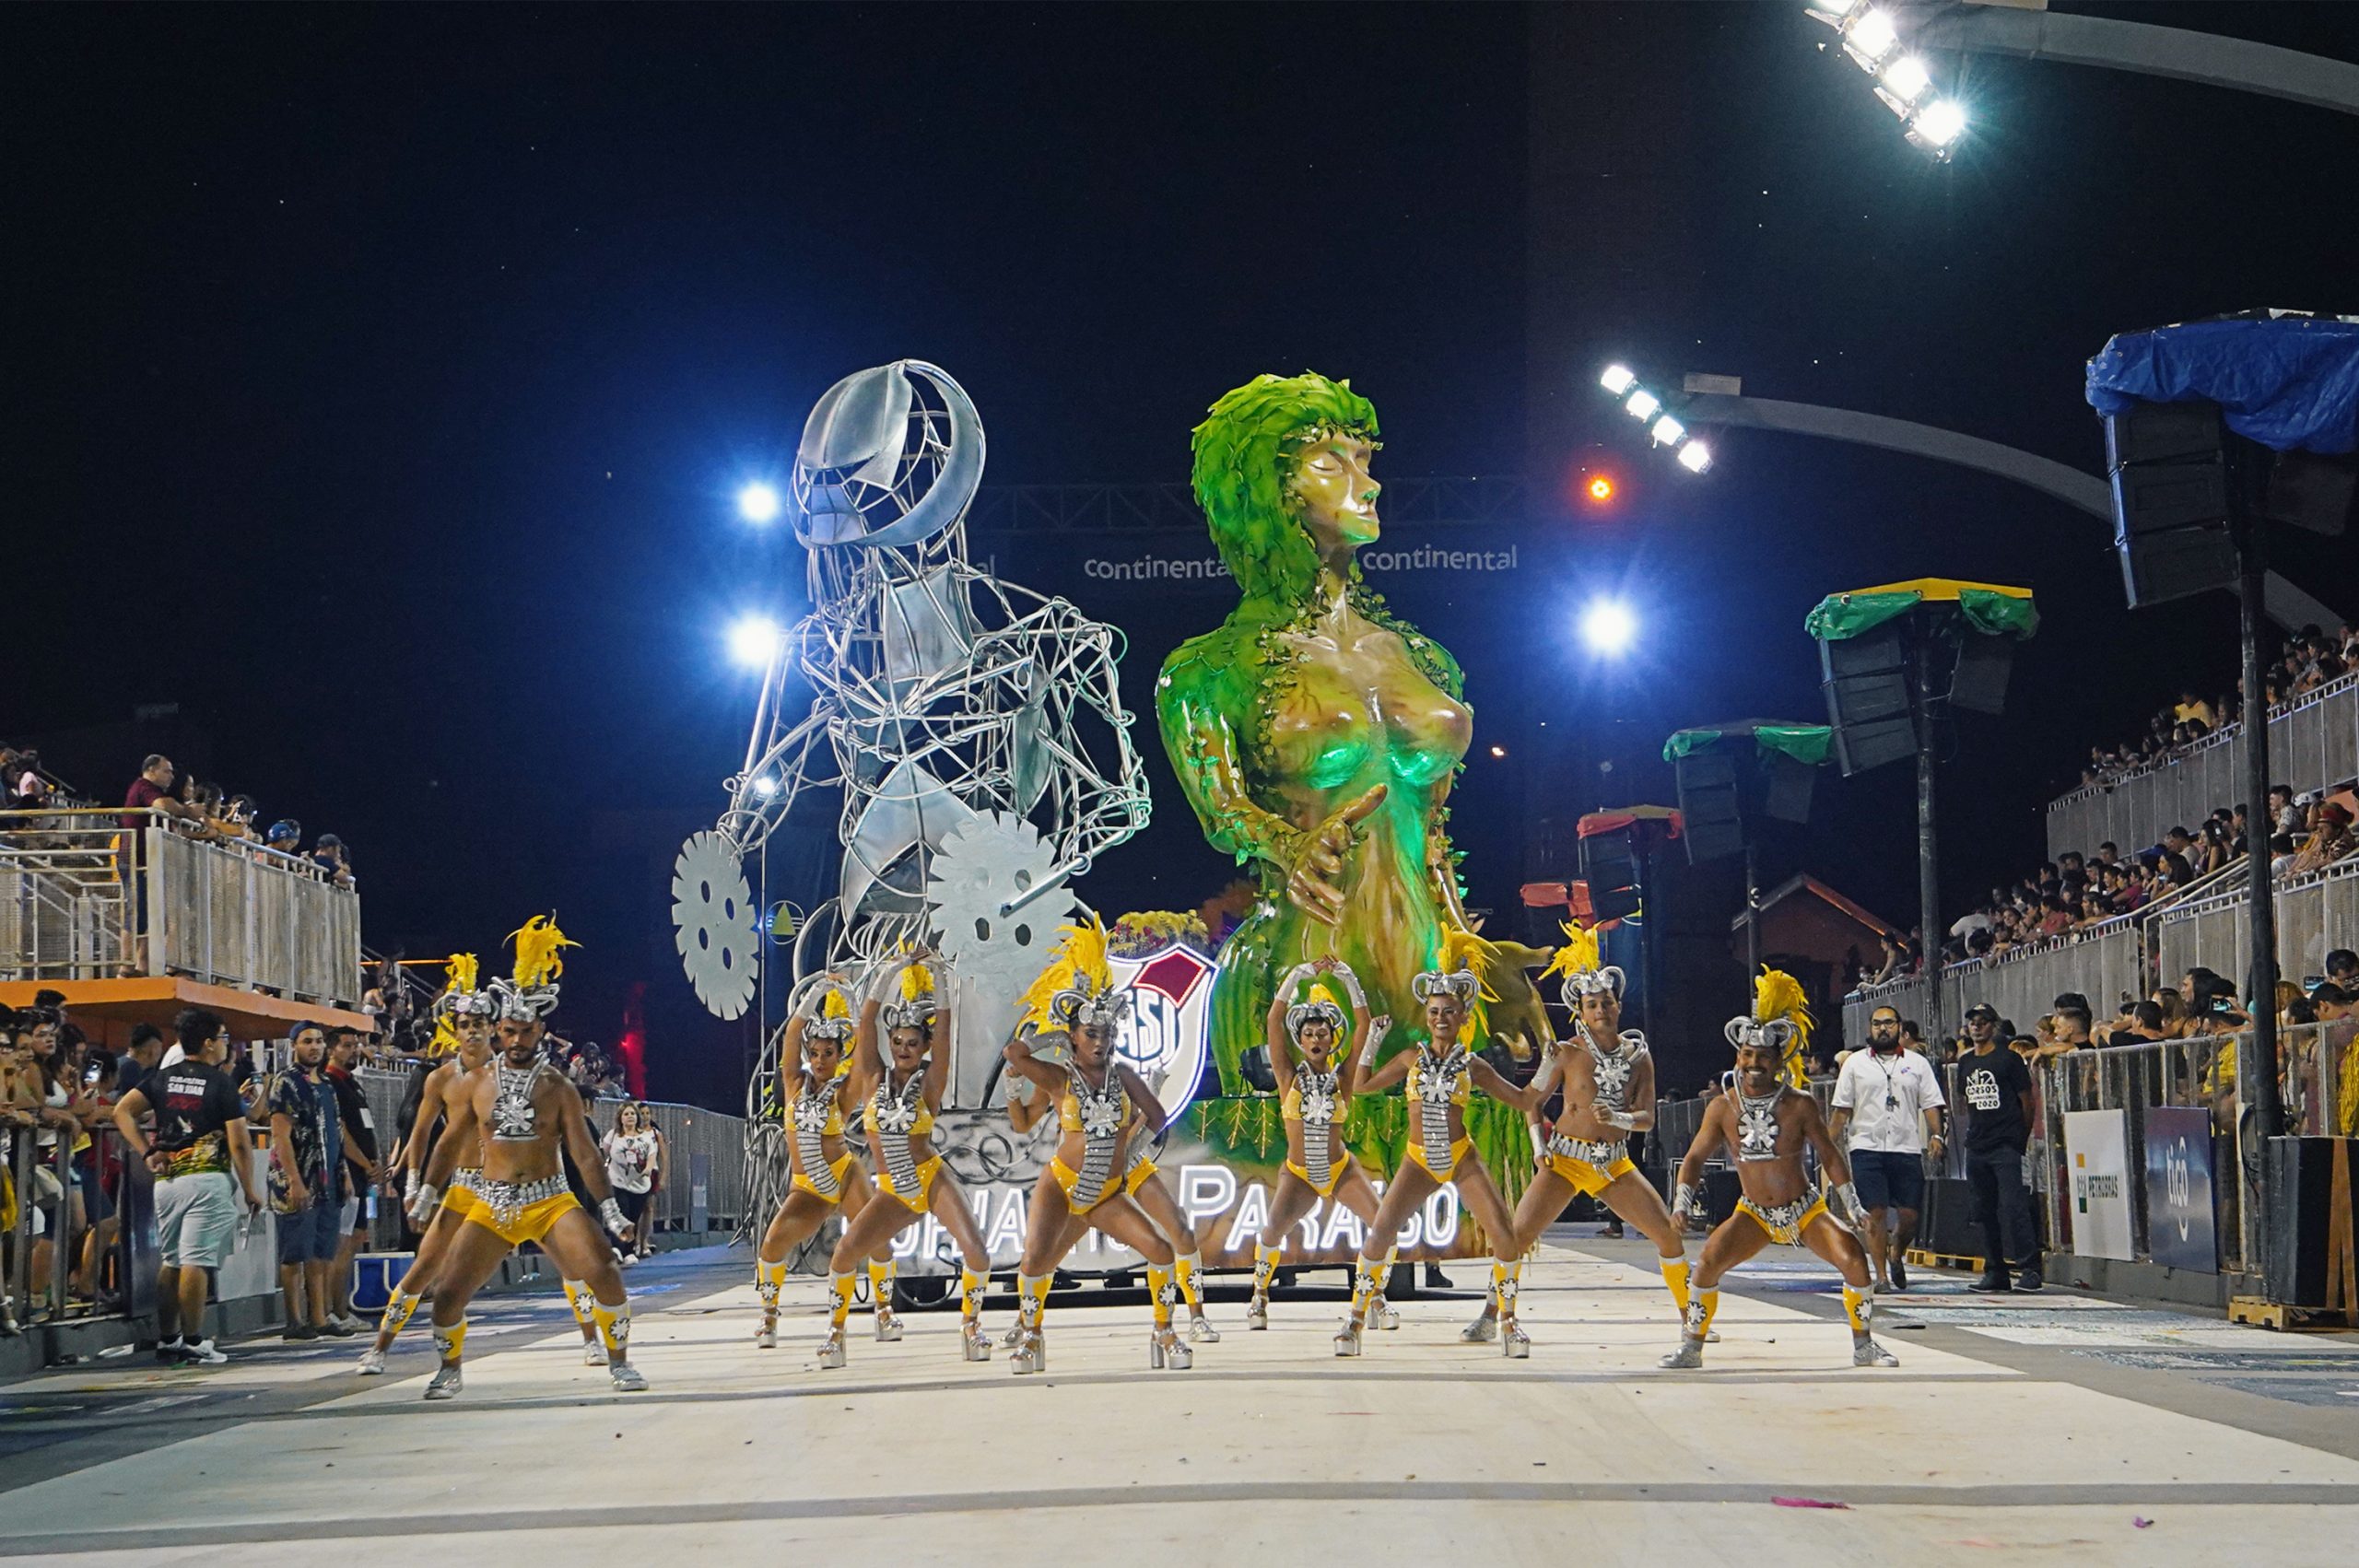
<point x="1616" y="380"/>
<point x="1695" y="457"/>
<point x="1601" y="488"/>
<point x="755" y="641"/>
<point x="1667" y="430"/>
<point x="1939" y="124"/>
<point x="766" y="786"/>
<point x="1643" y="404"/>
<point x="1609" y="626"/>
<point x="759" y="502"/>
<point x="1872" y="34"/>
<point x="1906" y="77"/>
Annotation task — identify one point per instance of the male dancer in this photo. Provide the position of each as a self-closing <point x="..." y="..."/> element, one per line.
<point x="463" y="1034"/>
<point x="1767" y="1125"/>
<point x="523" y="1108"/>
<point x="1609" y="1084"/>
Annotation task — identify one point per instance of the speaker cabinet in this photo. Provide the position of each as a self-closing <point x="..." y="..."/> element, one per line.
<point x="1710" y="804"/>
<point x="2301" y="1184"/>
<point x="1610" y="866"/>
<point x="1866" y="682"/>
<point x="2169" y="466"/>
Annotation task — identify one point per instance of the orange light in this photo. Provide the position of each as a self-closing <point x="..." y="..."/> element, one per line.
<point x="1601" y="488"/>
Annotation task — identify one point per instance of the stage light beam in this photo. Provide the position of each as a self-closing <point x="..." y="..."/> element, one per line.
<point x="755" y="641"/>
<point x="1600" y="489"/>
<point x="1609" y="626"/>
<point x="759" y="502"/>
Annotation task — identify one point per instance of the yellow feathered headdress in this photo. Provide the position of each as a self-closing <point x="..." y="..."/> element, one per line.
<point x="1576" y="961"/>
<point x="1780" y="1019"/>
<point x="1457" y="971"/>
<point x="459" y="998"/>
<point x="1077" y="988"/>
<point x="916" y="1008"/>
<point x="831" y="1020"/>
<point x="531" y="991"/>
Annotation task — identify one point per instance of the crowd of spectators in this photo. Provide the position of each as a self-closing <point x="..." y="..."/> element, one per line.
<point x="206" y="812"/>
<point x="2311" y="659"/>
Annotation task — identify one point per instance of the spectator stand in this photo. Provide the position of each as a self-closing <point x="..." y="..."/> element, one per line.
<point x="2313" y="744"/>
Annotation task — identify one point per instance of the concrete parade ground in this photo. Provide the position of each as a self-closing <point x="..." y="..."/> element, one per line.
<point x="2050" y="1429"/>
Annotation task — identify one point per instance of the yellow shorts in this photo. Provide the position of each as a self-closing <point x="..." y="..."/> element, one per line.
<point x="925" y="1183"/>
<point x="462" y="1202"/>
<point x="1588" y="1179"/>
<point x="1069" y="1178"/>
<point x="1784" y="1221"/>
<point x="1137" y="1176"/>
<point x="1457" y="1152"/>
<point x="1336" y="1169"/>
<point x="801" y="1183"/>
<point x="531" y="1222"/>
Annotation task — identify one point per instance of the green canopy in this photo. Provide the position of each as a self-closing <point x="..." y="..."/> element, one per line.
<point x="1806" y="744"/>
<point x="1989" y="609"/>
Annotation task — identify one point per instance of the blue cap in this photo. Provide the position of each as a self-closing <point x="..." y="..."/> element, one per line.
<point x="286" y="827"/>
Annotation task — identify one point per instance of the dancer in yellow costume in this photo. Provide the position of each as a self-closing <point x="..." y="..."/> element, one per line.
<point x="520" y="1108"/>
<point x="1314" y="1096"/>
<point x="1441" y="1073"/>
<point x="901" y="1093"/>
<point x="463" y="1025"/>
<point x="822" y="1176"/>
<point x="1766" y="1123"/>
<point x="1075" y="1003"/>
<point x="1609" y="1082"/>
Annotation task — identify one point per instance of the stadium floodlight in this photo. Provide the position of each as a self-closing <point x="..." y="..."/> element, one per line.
<point x="1695" y="457"/>
<point x="1668" y="431"/>
<point x="759" y="502"/>
<point x="1871" y="37"/>
<point x="1616" y="380"/>
<point x="1643" y="404"/>
<point x="755" y="641"/>
<point x="1937" y="125"/>
<point x="1907" y="79"/>
<point x="1609" y="626"/>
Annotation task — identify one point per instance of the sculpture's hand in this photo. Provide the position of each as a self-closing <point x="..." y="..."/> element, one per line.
<point x="1311" y="879"/>
<point x="1519" y="1016"/>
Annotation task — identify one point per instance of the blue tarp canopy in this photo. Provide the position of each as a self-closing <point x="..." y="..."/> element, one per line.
<point x="2290" y="383"/>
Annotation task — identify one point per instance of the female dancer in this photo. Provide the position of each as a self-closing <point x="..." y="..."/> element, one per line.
<point x="825" y="1176"/>
<point x="1075" y="997"/>
<point x="1439" y="1072"/>
<point x="1609" y="1081"/>
<point x="902" y="1091"/>
<point x="1314" y="1098"/>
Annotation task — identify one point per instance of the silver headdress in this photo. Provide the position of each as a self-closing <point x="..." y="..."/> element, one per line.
<point x="1322" y="1008"/>
<point x="831" y="1019"/>
<point x="915" y="1006"/>
<point x="1077" y="988"/>
<point x="1463" y="984"/>
<point x="531" y="993"/>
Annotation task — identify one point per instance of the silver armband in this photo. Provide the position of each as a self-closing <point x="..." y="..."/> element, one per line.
<point x="1352" y="986"/>
<point x="612" y="1213"/>
<point x="1626" y="1121"/>
<point x="1846" y="1198"/>
<point x="423" y="1203"/>
<point x="1682" y="1203"/>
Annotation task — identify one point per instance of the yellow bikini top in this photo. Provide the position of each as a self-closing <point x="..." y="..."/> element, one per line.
<point x="1093" y="1113"/>
<point x="818" y="1110"/>
<point x="903" y="1112"/>
<point x="1325" y="1092"/>
<point x="1443" y="1080"/>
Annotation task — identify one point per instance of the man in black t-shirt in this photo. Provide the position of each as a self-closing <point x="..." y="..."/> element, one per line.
<point x="361" y="1156"/>
<point x="1994" y="1095"/>
<point x="204" y="1160"/>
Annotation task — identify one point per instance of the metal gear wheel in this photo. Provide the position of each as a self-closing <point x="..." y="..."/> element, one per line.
<point x="982" y="865"/>
<point x="713" y="924"/>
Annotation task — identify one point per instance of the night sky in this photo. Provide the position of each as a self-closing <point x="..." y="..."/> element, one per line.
<point x="380" y="379"/>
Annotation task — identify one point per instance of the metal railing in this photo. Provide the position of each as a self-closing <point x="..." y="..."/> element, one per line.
<point x="2315" y="914"/>
<point x="2101" y="962"/>
<point x="2313" y="742"/>
<point x="66" y="1206"/>
<point x="703" y="1187"/>
<point x="83" y="898"/>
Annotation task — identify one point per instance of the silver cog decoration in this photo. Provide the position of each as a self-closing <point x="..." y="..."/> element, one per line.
<point x="713" y="922"/>
<point x="982" y="864"/>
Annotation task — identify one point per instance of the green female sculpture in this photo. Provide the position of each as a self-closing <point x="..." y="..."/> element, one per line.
<point x="1317" y="734"/>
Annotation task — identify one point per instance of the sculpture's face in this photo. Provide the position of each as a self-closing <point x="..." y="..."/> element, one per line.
<point x="1333" y="493"/>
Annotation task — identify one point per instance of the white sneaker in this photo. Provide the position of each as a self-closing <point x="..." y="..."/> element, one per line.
<point x="372" y="1362"/>
<point x="201" y="1352"/>
<point x="626" y="1377"/>
<point x="593" y="1354"/>
<point x="348" y="1321"/>
<point x="626" y="1259"/>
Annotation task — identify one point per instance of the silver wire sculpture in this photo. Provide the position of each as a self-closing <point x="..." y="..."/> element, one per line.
<point x="972" y="730"/>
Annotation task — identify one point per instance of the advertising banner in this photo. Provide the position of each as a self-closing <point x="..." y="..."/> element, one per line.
<point x="2180" y="1227"/>
<point x="2096" y="1158"/>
